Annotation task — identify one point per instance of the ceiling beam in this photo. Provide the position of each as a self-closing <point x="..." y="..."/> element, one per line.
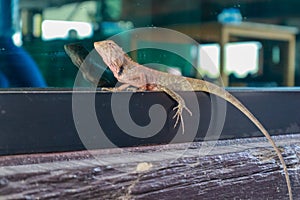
<point x="36" y="4"/>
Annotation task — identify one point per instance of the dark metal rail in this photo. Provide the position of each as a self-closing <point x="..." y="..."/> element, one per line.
<point x="42" y="120"/>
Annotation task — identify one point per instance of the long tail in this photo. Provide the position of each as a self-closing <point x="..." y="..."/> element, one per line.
<point x="218" y="91"/>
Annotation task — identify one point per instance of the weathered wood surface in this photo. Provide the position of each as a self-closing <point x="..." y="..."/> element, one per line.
<point x="233" y="169"/>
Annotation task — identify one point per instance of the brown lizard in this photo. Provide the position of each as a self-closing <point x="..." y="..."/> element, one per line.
<point x="131" y="73"/>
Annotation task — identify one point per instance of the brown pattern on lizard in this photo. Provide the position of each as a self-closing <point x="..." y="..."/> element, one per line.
<point x="131" y="73"/>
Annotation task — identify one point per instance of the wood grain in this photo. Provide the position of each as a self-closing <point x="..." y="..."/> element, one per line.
<point x="240" y="169"/>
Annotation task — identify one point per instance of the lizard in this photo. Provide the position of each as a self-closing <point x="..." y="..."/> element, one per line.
<point x="130" y="73"/>
<point x="90" y="66"/>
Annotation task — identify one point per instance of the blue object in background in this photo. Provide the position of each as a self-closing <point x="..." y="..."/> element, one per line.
<point x="17" y="68"/>
<point x="230" y="15"/>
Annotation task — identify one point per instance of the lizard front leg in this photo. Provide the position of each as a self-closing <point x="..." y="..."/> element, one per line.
<point x="116" y="89"/>
<point x="140" y="87"/>
<point x="140" y="79"/>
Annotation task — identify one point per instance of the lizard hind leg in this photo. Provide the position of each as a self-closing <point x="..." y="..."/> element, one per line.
<point x="179" y="108"/>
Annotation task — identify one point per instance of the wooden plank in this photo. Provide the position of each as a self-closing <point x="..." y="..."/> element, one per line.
<point x="241" y="169"/>
<point x="35" y="4"/>
<point x="209" y="31"/>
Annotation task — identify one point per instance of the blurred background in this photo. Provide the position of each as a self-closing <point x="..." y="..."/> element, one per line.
<point x="252" y="42"/>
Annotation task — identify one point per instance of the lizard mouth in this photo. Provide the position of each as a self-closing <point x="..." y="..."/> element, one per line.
<point x="104" y="51"/>
<point x="99" y="48"/>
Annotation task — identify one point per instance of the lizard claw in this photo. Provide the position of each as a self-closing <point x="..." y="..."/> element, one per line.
<point x="132" y="89"/>
<point x="111" y="89"/>
<point x="178" y="115"/>
<point x="116" y="89"/>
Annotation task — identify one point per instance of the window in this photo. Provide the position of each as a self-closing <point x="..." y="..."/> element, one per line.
<point x="260" y="48"/>
<point x="242" y="58"/>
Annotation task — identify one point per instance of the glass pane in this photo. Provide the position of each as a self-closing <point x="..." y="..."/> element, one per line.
<point x="248" y="43"/>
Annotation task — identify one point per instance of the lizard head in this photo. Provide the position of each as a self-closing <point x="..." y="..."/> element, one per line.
<point x="112" y="55"/>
